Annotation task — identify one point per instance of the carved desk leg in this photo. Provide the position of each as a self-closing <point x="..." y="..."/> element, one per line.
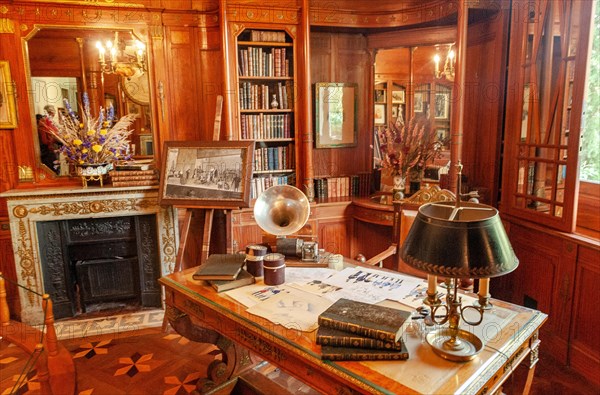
<point x="534" y="357"/>
<point x="234" y="357"/>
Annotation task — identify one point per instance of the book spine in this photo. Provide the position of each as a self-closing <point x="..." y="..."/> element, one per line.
<point x="357" y="329"/>
<point x="114" y="173"/>
<point x="353" y="341"/>
<point x="374" y="356"/>
<point x="134" y="178"/>
<point x="134" y="183"/>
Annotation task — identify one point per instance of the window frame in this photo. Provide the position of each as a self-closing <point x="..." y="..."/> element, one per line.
<point x="521" y="12"/>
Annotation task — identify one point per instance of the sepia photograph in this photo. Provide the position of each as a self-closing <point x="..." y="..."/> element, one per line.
<point x="206" y="174"/>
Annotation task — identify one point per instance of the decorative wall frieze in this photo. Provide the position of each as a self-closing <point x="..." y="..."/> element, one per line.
<point x="330" y="14"/>
<point x="262" y="13"/>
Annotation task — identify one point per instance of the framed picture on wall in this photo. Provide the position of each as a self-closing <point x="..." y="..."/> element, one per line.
<point x="379" y="114"/>
<point x="442" y="105"/>
<point x="206" y="174"/>
<point x="336" y="115"/>
<point x="398" y="97"/>
<point x="146" y="144"/>
<point x="418" y="101"/>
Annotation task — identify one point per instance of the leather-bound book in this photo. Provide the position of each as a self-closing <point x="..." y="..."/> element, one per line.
<point x="364" y="319"/>
<point x="220" y="267"/>
<point x="243" y="278"/>
<point x="336" y="338"/>
<point x="362" y="354"/>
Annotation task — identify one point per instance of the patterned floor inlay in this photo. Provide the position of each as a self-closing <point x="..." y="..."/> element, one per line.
<point x="187" y="385"/>
<point x="89" y="350"/>
<point x="82" y="328"/>
<point x="135" y="364"/>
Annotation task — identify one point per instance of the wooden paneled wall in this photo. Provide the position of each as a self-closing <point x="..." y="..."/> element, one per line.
<point x="344" y="58"/>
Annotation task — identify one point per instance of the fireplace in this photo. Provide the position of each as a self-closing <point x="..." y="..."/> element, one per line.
<point x="95" y="264"/>
<point x="90" y="247"/>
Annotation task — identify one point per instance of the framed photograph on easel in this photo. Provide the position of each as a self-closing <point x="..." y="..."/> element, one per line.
<point x="206" y="174"/>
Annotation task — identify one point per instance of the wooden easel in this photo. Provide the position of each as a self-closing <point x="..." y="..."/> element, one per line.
<point x="194" y="246"/>
<point x="196" y="236"/>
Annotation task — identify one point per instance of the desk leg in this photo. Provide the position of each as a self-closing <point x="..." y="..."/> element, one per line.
<point x="534" y="357"/>
<point x="235" y="358"/>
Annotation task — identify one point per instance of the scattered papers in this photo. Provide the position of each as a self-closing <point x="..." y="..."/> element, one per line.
<point x="256" y="293"/>
<point x="372" y="286"/>
<point x="293" y="309"/>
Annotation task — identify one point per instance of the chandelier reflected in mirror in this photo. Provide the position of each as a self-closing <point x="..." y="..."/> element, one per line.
<point x="125" y="57"/>
<point x="448" y="70"/>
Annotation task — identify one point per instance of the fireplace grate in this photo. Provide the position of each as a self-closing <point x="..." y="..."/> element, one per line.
<point x="111" y="279"/>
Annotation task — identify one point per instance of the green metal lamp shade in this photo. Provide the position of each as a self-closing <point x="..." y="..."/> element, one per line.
<point x="466" y="241"/>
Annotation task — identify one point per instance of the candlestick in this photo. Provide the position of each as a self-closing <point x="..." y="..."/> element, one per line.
<point x="484" y="287"/>
<point x="432" y="294"/>
<point x="483" y="294"/>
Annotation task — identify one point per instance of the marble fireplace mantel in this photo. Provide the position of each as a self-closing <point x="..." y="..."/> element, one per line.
<point x="27" y="207"/>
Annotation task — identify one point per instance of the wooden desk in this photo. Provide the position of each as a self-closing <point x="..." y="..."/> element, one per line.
<point x="199" y="313"/>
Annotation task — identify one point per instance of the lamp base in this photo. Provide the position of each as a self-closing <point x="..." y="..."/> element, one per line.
<point x="466" y="347"/>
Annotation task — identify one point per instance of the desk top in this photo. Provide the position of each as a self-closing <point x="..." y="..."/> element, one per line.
<point x="506" y="331"/>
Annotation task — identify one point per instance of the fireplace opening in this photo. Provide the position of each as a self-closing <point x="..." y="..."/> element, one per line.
<point x="98" y="264"/>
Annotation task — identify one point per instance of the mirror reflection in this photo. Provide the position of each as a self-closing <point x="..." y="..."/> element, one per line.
<point x="111" y="66"/>
<point x="412" y="106"/>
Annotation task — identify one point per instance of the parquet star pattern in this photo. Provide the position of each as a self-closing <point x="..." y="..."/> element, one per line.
<point x="145" y="362"/>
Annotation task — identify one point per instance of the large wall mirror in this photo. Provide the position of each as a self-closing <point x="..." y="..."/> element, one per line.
<point x="413" y="85"/>
<point x="110" y="65"/>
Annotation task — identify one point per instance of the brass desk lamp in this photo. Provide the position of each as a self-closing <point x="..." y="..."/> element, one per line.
<point x="458" y="240"/>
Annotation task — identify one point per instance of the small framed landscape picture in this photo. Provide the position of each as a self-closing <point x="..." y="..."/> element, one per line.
<point x="398" y="97"/>
<point x="206" y="174"/>
<point x="418" y="101"/>
<point x="379" y="114"/>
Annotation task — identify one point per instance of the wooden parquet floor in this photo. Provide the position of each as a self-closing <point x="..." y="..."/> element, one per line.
<point x="150" y="362"/>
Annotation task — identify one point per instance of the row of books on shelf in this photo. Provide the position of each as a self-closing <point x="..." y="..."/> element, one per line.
<point x="260" y="96"/>
<point x="356" y="331"/>
<point x="354" y="185"/>
<point x="274" y="158"/>
<point x="264" y="62"/>
<point x="259" y="184"/>
<point x="266" y="126"/>
<point x="267" y="36"/>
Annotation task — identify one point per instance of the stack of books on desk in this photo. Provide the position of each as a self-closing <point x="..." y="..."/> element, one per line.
<point x="356" y="331"/>
<point x="224" y="272"/>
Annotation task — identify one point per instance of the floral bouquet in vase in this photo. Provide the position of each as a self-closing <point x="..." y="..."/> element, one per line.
<point x="405" y="147"/>
<point x="92" y="145"/>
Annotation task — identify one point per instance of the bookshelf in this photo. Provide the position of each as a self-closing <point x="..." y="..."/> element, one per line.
<point x="265" y="90"/>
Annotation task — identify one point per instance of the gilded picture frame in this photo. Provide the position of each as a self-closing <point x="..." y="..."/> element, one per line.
<point x="8" y="108"/>
<point x="206" y="174"/>
<point x="336" y="115"/>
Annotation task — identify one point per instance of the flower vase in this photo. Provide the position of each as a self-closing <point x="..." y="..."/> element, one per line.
<point x="274" y="103"/>
<point x="398" y="187"/>
<point x="92" y="172"/>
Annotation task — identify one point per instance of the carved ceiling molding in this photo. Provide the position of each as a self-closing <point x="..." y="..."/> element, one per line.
<point x="423" y="13"/>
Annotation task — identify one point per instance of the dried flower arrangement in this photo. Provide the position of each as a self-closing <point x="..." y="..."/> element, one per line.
<point x="406" y="146"/>
<point x="93" y="141"/>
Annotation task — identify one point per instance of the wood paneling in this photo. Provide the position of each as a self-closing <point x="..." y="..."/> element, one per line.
<point x="585" y="342"/>
<point x="344" y="58"/>
<point x="484" y="100"/>
<point x="7" y="268"/>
